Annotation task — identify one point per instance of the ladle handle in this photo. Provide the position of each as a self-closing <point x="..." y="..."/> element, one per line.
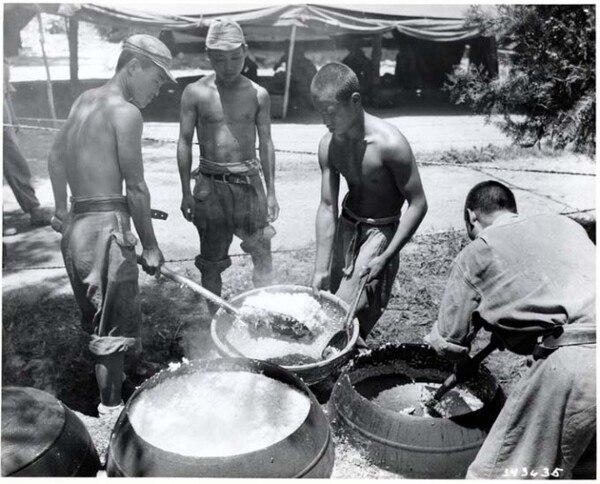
<point x="174" y="276"/>
<point x="451" y="381"/>
<point x="352" y="309"/>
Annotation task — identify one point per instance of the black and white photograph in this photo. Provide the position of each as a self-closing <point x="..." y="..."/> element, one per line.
<point x="282" y="240"/>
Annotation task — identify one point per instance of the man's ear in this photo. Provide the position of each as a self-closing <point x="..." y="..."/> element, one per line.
<point x="133" y="65"/>
<point x="472" y="216"/>
<point x="355" y="98"/>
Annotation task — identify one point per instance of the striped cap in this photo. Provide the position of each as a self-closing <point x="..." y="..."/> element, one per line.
<point x="153" y="49"/>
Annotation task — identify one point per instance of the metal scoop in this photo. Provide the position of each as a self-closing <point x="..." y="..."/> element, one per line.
<point x="433" y="407"/>
<point x="279" y="323"/>
<point x="340" y="338"/>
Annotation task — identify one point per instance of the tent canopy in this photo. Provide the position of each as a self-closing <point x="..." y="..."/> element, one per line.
<point x="438" y="23"/>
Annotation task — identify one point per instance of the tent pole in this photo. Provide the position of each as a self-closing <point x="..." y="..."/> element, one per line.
<point x="72" y="34"/>
<point x="288" y="74"/>
<point x="48" y="80"/>
<point x="376" y="60"/>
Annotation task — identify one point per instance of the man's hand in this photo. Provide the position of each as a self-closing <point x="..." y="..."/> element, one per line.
<point x="374" y="268"/>
<point x="465" y="369"/>
<point x="320" y="281"/>
<point x="272" y="207"/>
<point x="187" y="207"/>
<point x="152" y="259"/>
<point x="57" y="221"/>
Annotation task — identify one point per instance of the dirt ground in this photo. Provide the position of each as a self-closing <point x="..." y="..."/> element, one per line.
<point x="43" y="345"/>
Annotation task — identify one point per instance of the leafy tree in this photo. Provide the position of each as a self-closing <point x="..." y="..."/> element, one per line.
<point x="550" y="87"/>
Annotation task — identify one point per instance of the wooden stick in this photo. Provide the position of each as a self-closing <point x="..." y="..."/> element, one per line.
<point x="288" y="74"/>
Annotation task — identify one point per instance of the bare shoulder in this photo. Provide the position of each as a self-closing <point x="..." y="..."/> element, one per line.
<point x="393" y="145"/>
<point x="198" y="90"/>
<point x="323" y="150"/>
<point x="123" y="113"/>
<point x="262" y="95"/>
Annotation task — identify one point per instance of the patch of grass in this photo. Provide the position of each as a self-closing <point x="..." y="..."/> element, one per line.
<point x="488" y="154"/>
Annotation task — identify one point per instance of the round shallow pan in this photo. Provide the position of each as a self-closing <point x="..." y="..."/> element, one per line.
<point x="311" y="373"/>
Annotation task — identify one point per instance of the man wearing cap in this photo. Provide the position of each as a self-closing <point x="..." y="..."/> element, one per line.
<point x="97" y="150"/>
<point x="227" y="110"/>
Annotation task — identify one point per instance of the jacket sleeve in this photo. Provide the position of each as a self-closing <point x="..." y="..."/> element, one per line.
<point x="450" y="334"/>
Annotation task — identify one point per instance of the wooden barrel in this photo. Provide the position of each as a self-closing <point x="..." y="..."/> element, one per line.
<point x="310" y="373"/>
<point x="412" y="446"/>
<point x="307" y="452"/>
<point x="41" y="437"/>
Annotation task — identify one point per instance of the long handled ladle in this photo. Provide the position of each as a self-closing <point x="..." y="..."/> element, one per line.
<point x="280" y="323"/>
<point x="432" y="405"/>
<point x="340" y="338"/>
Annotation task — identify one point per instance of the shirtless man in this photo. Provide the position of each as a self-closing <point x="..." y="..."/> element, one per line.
<point x="380" y="170"/>
<point x="227" y="110"/>
<point x="98" y="149"/>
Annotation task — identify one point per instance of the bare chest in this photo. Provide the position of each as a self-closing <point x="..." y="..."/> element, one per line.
<point x="358" y="162"/>
<point x="228" y="108"/>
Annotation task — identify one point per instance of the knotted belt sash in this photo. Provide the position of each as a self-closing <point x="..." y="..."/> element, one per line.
<point x="358" y="221"/>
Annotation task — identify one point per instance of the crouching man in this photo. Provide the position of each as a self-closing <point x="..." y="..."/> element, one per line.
<point x="97" y="150"/>
<point x="532" y="280"/>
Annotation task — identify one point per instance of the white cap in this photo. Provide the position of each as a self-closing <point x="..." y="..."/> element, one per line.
<point x="224" y="34"/>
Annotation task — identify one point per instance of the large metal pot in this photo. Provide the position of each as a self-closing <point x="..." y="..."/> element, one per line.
<point x="412" y="446"/>
<point x="306" y="452"/>
<point x="42" y="437"/>
<point x="310" y="373"/>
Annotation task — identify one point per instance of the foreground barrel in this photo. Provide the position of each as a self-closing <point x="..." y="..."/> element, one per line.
<point x="306" y="452"/>
<point x="41" y="437"/>
<point x="412" y="446"/>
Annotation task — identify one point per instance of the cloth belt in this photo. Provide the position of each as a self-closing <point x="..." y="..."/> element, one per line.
<point x="99" y="204"/>
<point x="565" y="335"/>
<point x="358" y="221"/>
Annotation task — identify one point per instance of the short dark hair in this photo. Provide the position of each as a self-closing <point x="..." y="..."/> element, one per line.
<point x="128" y="55"/>
<point x="489" y="197"/>
<point x="336" y="77"/>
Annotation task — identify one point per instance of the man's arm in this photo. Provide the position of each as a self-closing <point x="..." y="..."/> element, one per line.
<point x="187" y="125"/>
<point x="128" y="124"/>
<point x="326" y="216"/>
<point x="452" y="333"/>
<point x="398" y="157"/>
<point x="267" y="151"/>
<point x="58" y="178"/>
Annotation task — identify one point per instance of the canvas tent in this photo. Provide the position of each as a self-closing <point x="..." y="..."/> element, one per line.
<point x="187" y="24"/>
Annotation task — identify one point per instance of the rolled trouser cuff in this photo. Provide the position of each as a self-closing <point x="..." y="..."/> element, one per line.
<point x="211" y="266"/>
<point x="108" y="345"/>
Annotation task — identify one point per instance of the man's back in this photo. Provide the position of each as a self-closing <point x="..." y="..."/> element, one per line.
<point x="533" y="272"/>
<point x="91" y="145"/>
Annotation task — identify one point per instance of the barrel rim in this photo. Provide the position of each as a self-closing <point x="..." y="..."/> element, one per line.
<point x="338" y="360"/>
<point x="239" y="364"/>
<point x="69" y="421"/>
<point x="367" y="359"/>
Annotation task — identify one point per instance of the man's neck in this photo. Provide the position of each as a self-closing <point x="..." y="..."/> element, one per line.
<point x="231" y="85"/>
<point x="119" y="83"/>
<point x="356" y="131"/>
